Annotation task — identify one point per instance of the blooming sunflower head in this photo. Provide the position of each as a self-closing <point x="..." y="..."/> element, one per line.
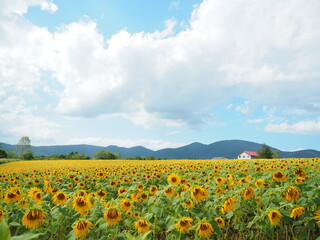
<point x="112" y="216"/>
<point x="169" y="192"/>
<point x="82" y="228"/>
<point x="33" y="218"/>
<point x="142" y="226"/>
<point x="205" y="230"/>
<point x="292" y="194"/>
<point x="101" y="194"/>
<point x="184" y="224"/>
<point x="228" y="205"/>
<point x="317" y="217"/>
<point x="173" y="179"/>
<point x="278" y="176"/>
<point x="126" y="205"/>
<point x="188" y="203"/>
<point x="248" y="194"/>
<point x="60" y="198"/>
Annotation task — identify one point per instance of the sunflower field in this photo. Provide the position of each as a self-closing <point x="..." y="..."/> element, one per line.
<point x="168" y="199"/>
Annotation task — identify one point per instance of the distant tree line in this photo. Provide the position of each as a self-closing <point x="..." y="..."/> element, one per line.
<point x="266" y="153"/>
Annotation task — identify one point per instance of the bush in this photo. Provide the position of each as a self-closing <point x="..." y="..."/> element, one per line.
<point x="28" y="155"/>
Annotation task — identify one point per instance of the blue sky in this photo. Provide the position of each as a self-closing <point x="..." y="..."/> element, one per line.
<point x="160" y="73"/>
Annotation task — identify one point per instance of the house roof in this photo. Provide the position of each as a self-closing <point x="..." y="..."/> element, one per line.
<point x="250" y="153"/>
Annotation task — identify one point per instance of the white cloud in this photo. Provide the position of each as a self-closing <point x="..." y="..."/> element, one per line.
<point x="153" y="144"/>
<point x="264" y="51"/>
<point x="301" y="127"/>
<point x="174" y="5"/>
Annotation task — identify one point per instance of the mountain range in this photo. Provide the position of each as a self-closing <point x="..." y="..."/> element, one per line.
<point x="226" y="149"/>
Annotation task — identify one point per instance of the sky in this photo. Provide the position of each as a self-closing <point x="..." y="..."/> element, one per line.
<point x="160" y="73"/>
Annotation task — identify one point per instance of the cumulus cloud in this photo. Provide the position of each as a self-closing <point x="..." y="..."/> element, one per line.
<point x="302" y="127"/>
<point x="266" y="52"/>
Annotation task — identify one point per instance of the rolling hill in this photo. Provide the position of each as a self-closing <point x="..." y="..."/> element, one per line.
<point x="226" y="148"/>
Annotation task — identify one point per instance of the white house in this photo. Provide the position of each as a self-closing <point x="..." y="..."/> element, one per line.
<point x="247" y="155"/>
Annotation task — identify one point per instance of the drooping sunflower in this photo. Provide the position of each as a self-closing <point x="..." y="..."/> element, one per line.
<point x="122" y="190"/>
<point x="126" y="205"/>
<point x="11" y="197"/>
<point x="173" y="179"/>
<point x="248" y="194"/>
<point x="259" y="183"/>
<point x="81" y="204"/>
<point x="228" y="205"/>
<point x="142" y="226"/>
<point x="60" y="198"/>
<point x="274" y="217"/>
<point x="82" y="228"/>
<point x="221" y="223"/>
<point x="188" y="204"/>
<point x="169" y="192"/>
<point x="296" y="212"/>
<point x="184" y="224"/>
<point x="317" y="217"/>
<point x="205" y="230"/>
<point x="33" y="218"/>
<point x="300" y="173"/>
<point x="292" y="194"/>
<point x="219" y="191"/>
<point x="199" y="194"/>
<point x="112" y="216"/>
<point x="1" y="214"/>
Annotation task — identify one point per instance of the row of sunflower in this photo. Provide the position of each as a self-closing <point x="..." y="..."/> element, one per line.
<point x="173" y="199"/>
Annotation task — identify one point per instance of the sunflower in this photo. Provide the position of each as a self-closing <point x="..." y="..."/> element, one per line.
<point x="298" y="211"/>
<point x="60" y="198"/>
<point x="300" y="173"/>
<point x="11" y="197"/>
<point x="220" y="222"/>
<point x="173" y="179"/>
<point x="122" y="190"/>
<point x="114" y="183"/>
<point x="153" y="190"/>
<point x="259" y="183"/>
<point x="248" y="194"/>
<point x="278" y="176"/>
<point x="81" y="185"/>
<point x="33" y="218"/>
<point x="228" y="205"/>
<point x="1" y="214"/>
<point x="292" y="194"/>
<point x="81" y="204"/>
<point x="136" y="196"/>
<point x="317" y="217"/>
<point x="82" y="228"/>
<point x="300" y="180"/>
<point x="188" y="204"/>
<point x="169" y="192"/>
<point x="219" y="191"/>
<point x="135" y="215"/>
<point x="101" y="193"/>
<point x="37" y="197"/>
<point x="126" y="205"/>
<point x="199" y="194"/>
<point x="184" y="224"/>
<point x="274" y="217"/>
<point x="112" y="216"/>
<point x="142" y="226"/>
<point x="205" y="230"/>
<point x="221" y="180"/>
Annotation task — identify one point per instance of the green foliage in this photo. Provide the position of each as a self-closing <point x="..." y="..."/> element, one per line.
<point x="266" y="153"/>
<point x="12" y="155"/>
<point x="70" y="156"/>
<point x="23" y="145"/>
<point x="3" y="154"/>
<point x="103" y="154"/>
<point x="28" y="155"/>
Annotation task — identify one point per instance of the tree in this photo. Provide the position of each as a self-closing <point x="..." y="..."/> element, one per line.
<point x="12" y="155"/>
<point x="3" y="154"/>
<point x="103" y="154"/>
<point x="265" y="152"/>
<point x="23" y="145"/>
<point x="28" y="155"/>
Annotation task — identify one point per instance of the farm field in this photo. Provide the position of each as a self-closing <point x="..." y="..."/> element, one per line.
<point x="168" y="199"/>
